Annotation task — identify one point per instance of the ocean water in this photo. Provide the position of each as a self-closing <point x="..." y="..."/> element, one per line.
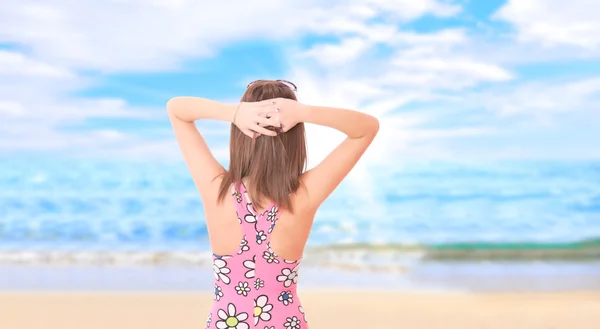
<point x="410" y="211"/>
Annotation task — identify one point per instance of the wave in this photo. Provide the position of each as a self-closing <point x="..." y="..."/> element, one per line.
<point x="93" y="205"/>
<point x="381" y="258"/>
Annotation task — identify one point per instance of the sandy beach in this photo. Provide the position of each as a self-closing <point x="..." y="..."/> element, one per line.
<point x="325" y="309"/>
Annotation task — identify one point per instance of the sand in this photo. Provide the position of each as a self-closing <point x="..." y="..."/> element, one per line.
<point x="325" y="309"/>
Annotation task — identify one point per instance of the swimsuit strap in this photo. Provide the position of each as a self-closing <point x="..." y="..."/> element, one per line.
<point x="256" y="227"/>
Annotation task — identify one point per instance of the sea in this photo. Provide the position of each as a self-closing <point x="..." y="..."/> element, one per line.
<point x="81" y="223"/>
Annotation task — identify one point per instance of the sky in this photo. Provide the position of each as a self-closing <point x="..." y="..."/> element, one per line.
<point x="448" y="80"/>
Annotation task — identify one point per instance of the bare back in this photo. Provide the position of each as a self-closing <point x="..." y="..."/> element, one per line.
<point x="288" y="238"/>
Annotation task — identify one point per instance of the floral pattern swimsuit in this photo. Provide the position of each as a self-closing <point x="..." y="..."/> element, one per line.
<point x="255" y="288"/>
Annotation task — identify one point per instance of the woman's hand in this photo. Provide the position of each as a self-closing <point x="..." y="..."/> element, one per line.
<point x="252" y="118"/>
<point x="290" y="112"/>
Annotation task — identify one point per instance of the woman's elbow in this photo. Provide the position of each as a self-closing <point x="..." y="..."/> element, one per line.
<point x="172" y="103"/>
<point x="373" y="126"/>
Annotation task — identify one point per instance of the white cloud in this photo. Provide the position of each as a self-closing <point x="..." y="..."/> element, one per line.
<point x="544" y="119"/>
<point x="447" y="72"/>
<point x="11" y="109"/>
<point x="541" y="99"/>
<point x="156" y="35"/>
<point x="36" y="102"/>
<point x="13" y="63"/>
<point x="423" y="61"/>
<point x="338" y="54"/>
<point x="64" y="38"/>
<point x="417" y="68"/>
<point x="409" y="9"/>
<point x="439" y="71"/>
<point x="402" y="134"/>
<point x="374" y="65"/>
<point x="555" y="22"/>
<point x="413" y="68"/>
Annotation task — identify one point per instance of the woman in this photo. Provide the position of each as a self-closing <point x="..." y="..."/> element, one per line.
<point x="255" y="261"/>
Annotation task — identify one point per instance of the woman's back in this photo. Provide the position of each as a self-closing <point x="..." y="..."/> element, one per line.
<point x="254" y="286"/>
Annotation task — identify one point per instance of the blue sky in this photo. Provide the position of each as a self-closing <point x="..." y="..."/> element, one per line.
<point x="449" y="80"/>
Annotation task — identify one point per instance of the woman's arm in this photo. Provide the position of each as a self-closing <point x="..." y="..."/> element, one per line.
<point x="360" y="128"/>
<point x="203" y="166"/>
<point x="201" y="163"/>
<point x="352" y="123"/>
<point x="190" y="109"/>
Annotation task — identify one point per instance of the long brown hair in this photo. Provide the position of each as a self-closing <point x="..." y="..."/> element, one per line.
<point x="272" y="165"/>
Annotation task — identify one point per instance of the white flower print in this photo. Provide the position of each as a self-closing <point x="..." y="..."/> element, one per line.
<point x="269" y="248"/>
<point x="288" y="276"/>
<point x="262" y="309"/>
<point x="249" y="206"/>
<point x="250" y="265"/>
<point x="272" y="213"/>
<point x="209" y="320"/>
<point x="271" y="228"/>
<point x="238" y="196"/>
<point x="244" y="246"/>
<point x="230" y="320"/>
<point x="286" y="297"/>
<point x="267" y="327"/>
<point x="221" y="270"/>
<point x="301" y="310"/>
<point x="258" y="283"/>
<point x="249" y="218"/>
<point x="218" y="292"/>
<point x="242" y="288"/>
<point x="292" y="323"/>
<point x="260" y="237"/>
<point x="270" y="257"/>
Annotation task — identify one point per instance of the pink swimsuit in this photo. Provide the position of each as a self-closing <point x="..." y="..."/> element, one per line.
<point x="255" y="288"/>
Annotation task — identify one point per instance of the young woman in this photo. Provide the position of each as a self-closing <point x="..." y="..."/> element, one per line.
<point x="259" y="213"/>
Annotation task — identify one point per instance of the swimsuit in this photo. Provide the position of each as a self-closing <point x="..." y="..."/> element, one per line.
<point x="255" y="288"/>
